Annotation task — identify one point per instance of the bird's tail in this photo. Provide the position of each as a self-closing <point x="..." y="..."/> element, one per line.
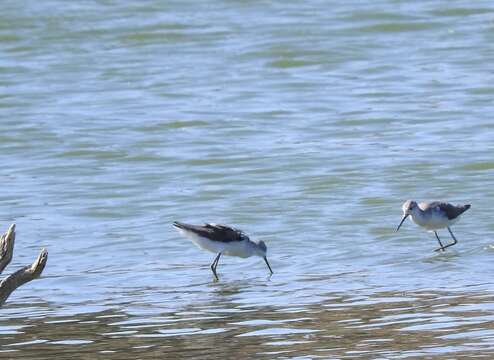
<point x="180" y="225"/>
<point x="465" y="208"/>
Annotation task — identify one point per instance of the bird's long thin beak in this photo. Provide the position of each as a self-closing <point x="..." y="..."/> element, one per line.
<point x="402" y="220"/>
<point x="269" y="267"/>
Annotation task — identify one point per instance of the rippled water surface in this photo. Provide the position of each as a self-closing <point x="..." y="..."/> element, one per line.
<point x="306" y="124"/>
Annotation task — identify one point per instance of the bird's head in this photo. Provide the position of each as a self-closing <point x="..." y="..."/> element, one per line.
<point x="261" y="251"/>
<point x="408" y="207"/>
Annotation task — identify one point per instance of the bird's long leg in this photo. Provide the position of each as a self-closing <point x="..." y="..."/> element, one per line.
<point x="214" y="265"/>
<point x="440" y="243"/>
<point x="454" y="239"/>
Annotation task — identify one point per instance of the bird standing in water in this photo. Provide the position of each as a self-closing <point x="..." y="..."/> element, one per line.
<point x="222" y="239"/>
<point x="433" y="216"/>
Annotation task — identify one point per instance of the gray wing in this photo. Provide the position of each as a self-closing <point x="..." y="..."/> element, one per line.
<point x="451" y="211"/>
<point x="215" y="232"/>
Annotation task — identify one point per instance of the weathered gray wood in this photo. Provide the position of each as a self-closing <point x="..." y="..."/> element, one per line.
<point x="22" y="276"/>
<point x="7" y="247"/>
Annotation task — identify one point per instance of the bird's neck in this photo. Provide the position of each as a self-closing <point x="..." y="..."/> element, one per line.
<point x="253" y="248"/>
<point x="249" y="248"/>
<point x="419" y="217"/>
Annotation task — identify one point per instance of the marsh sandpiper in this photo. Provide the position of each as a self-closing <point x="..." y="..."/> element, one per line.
<point x="433" y="216"/>
<point x="223" y="240"/>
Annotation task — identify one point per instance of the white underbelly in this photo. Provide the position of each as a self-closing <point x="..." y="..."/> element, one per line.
<point x="434" y="222"/>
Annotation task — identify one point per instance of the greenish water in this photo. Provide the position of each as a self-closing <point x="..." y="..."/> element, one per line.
<point x="306" y="124"/>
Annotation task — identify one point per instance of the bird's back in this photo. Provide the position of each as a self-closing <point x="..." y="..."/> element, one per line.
<point x="214" y="232"/>
<point x="451" y="211"/>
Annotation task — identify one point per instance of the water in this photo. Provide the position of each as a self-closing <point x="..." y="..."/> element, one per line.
<point x="305" y="124"/>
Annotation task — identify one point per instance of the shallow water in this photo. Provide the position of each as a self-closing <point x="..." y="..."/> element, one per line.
<point x="304" y="124"/>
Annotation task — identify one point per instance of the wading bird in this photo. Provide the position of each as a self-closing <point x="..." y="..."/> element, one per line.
<point x="433" y="216"/>
<point x="222" y="239"/>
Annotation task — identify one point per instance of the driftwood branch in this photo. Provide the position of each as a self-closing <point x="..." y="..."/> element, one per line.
<point x="7" y="247"/>
<point x="22" y="276"/>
